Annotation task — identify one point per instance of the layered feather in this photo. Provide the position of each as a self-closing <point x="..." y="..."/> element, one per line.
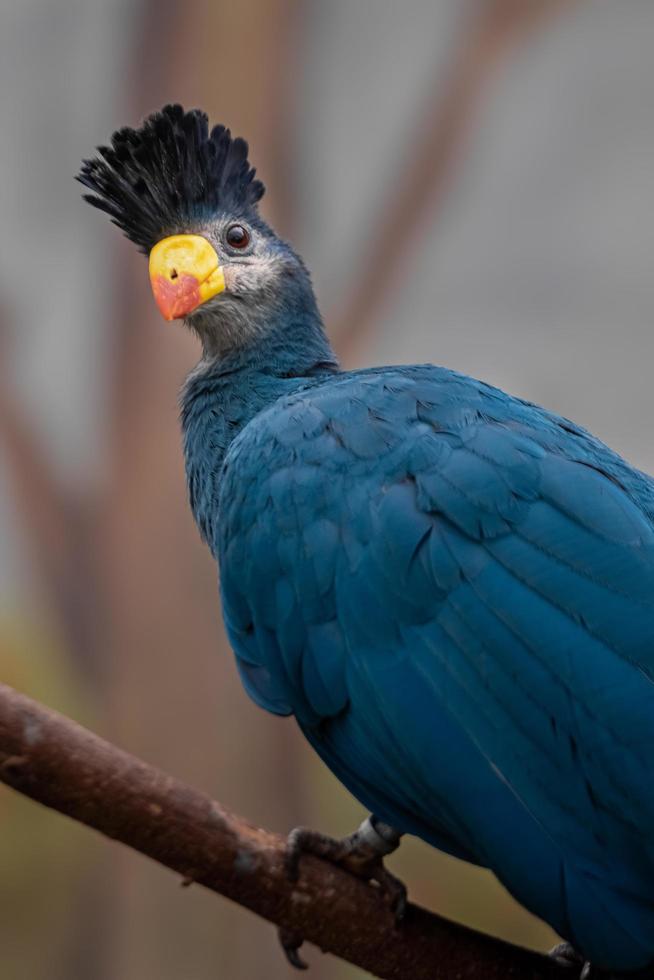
<point x="453" y="591"/>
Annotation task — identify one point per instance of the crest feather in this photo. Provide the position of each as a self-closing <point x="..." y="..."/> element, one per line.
<point x="168" y="175"/>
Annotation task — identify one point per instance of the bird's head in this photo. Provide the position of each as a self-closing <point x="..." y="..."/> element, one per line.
<point x="187" y="197"/>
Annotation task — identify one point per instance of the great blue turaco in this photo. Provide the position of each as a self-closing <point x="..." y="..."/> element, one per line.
<point x="449" y="588"/>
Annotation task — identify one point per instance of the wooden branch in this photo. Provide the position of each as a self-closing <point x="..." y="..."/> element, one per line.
<point x="58" y="763"/>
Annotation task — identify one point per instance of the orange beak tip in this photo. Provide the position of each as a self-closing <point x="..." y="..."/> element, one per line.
<point x="177" y="298"/>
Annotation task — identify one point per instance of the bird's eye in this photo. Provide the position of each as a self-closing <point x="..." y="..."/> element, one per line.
<point x="237" y="236"/>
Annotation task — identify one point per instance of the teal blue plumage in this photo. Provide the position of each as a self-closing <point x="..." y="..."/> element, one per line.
<point x="451" y="589"/>
<point x="453" y="592"/>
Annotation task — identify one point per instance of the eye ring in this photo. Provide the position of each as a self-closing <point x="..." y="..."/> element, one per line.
<point x="237" y="236"/>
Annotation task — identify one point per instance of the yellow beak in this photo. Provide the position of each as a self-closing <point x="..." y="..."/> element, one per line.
<point x="184" y="273"/>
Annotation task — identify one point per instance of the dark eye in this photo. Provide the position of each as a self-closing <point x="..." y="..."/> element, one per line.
<point x="237" y="236"/>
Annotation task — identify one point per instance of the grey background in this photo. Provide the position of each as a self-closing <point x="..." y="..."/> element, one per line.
<point x="534" y="272"/>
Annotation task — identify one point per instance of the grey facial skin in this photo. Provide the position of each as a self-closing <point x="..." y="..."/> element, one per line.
<point x="257" y="280"/>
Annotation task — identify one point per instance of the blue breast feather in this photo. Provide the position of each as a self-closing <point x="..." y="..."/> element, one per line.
<point x="453" y="591"/>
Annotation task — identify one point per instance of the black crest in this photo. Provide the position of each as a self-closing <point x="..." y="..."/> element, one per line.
<point x="170" y="174"/>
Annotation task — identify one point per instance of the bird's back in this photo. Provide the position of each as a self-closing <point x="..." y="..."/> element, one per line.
<point x="453" y="591"/>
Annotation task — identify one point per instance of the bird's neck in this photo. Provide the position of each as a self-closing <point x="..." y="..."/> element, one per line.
<point x="223" y="394"/>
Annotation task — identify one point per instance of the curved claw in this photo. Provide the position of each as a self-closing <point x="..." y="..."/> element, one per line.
<point x="394" y="888"/>
<point x="290" y="942"/>
<point x="297" y="843"/>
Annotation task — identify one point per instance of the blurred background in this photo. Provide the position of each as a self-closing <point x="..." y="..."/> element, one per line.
<point x="472" y="183"/>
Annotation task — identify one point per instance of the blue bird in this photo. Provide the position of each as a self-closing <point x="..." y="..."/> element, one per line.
<point x="451" y="589"/>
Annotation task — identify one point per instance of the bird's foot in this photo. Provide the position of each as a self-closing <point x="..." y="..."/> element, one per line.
<point x="567" y="956"/>
<point x="361" y="853"/>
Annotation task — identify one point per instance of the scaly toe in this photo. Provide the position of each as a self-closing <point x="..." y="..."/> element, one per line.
<point x="394" y="889"/>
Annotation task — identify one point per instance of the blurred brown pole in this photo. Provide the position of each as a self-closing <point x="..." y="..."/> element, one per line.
<point x="170" y="667"/>
<point x="60" y="764"/>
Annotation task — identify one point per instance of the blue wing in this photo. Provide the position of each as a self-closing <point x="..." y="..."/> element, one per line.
<point x="453" y="591"/>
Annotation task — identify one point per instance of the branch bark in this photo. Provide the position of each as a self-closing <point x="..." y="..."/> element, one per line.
<point x="60" y="764"/>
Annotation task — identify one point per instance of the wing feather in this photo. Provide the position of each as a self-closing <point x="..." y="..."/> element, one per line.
<point x="454" y="593"/>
